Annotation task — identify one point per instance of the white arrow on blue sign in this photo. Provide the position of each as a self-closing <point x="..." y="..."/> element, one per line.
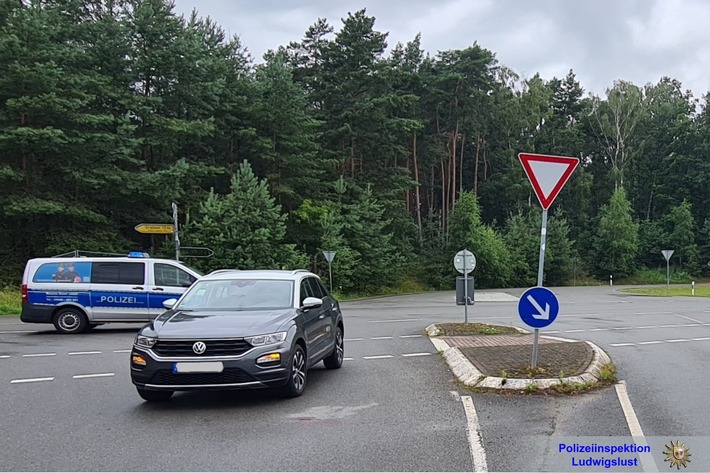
<point x="538" y="307"/>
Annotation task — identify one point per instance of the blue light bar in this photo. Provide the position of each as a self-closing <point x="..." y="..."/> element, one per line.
<point x="138" y="254"/>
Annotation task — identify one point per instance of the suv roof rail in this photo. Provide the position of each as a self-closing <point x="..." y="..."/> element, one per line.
<point x="296" y="271"/>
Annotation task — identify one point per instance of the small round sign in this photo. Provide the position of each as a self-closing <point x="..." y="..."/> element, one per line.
<point x="464" y="262"/>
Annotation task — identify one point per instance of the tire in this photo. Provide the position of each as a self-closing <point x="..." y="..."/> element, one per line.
<point x="297" y="375"/>
<point x="154" y="396"/>
<point x="335" y="359"/>
<point x="70" y="320"/>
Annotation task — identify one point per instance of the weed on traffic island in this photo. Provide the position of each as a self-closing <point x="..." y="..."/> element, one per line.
<point x="459" y="329"/>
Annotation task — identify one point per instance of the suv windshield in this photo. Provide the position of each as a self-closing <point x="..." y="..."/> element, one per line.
<point x="238" y="294"/>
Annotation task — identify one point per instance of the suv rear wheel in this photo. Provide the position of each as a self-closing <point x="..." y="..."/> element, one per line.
<point x="335" y="359"/>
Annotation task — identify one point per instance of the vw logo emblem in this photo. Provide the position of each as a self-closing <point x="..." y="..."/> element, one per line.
<point x="199" y="347"/>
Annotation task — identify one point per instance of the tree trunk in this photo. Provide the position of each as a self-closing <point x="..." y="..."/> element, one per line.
<point x="455" y="139"/>
<point x="463" y="145"/>
<point x="417" y="202"/>
<point x="475" y="165"/>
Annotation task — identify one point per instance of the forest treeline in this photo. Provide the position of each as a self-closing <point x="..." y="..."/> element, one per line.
<point x="110" y="110"/>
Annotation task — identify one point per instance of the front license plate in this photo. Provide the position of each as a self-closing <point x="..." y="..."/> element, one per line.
<point x="198" y="367"/>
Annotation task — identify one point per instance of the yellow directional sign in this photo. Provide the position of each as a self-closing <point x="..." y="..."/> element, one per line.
<point x="161" y="228"/>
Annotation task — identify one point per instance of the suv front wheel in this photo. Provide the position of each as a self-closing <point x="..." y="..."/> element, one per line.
<point x="298" y="375"/>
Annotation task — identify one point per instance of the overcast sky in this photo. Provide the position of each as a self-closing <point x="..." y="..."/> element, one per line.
<point x="601" y="40"/>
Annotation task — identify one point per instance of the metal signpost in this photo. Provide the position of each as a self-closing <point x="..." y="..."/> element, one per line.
<point x="667" y="255"/>
<point x="177" y="238"/>
<point x="547" y="174"/>
<point x="329" y="255"/>
<point x="465" y="262"/>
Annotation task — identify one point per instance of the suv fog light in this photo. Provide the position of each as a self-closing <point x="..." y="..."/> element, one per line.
<point x="138" y="360"/>
<point x="270" y="358"/>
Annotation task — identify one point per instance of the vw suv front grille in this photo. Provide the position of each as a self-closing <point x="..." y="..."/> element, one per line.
<point x="183" y="348"/>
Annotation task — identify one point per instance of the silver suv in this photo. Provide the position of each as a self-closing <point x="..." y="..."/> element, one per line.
<point x="240" y="329"/>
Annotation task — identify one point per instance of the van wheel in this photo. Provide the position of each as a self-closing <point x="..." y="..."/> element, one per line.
<point x="70" y="320"/>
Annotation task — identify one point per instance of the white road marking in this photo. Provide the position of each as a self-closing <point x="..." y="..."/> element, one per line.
<point x="393" y="320"/>
<point x="353" y="339"/>
<point x="668" y="326"/>
<point x="122" y="351"/>
<point x="35" y="355"/>
<point x="376" y="357"/>
<point x="2" y="357"/>
<point x="348" y="359"/>
<point x="30" y="380"/>
<point x="647" y="462"/>
<point x="410" y="336"/>
<point x="381" y="338"/>
<point x="599" y="329"/>
<point x="455" y="395"/>
<point x="575" y="330"/>
<point x="653" y="342"/>
<point x="648" y="326"/>
<point x="473" y="431"/>
<point x="97" y="375"/>
<point x="84" y="353"/>
<point x="416" y="354"/>
<point x="678" y="340"/>
<point x="552" y="331"/>
<point x="689" y="318"/>
<point x="621" y="344"/>
<point x="700" y="339"/>
<point x="622" y="328"/>
<point x="17" y="331"/>
<point x="692" y="325"/>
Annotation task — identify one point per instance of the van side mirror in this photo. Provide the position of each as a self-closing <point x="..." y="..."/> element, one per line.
<point x="169" y="303"/>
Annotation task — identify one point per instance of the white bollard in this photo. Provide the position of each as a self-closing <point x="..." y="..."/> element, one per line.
<point x="693" y="286"/>
<point x="611" y="280"/>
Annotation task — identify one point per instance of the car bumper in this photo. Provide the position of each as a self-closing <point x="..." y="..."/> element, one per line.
<point x="38" y="314"/>
<point x="241" y="372"/>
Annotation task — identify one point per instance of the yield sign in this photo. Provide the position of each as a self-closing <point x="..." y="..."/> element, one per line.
<point x="547" y="174"/>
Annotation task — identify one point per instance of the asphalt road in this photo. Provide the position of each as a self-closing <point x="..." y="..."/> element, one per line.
<point x="67" y="403"/>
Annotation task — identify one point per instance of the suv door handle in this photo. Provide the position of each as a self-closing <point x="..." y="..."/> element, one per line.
<point x="158" y="289"/>
<point x="322" y="316"/>
<point x="138" y="288"/>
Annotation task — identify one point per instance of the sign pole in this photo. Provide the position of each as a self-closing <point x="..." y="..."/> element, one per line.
<point x="540" y="272"/>
<point x="465" y="292"/>
<point x="330" y="276"/>
<point x="177" y="238"/>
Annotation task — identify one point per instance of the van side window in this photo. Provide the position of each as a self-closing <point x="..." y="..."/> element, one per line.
<point x="118" y="273"/>
<point x="169" y="275"/>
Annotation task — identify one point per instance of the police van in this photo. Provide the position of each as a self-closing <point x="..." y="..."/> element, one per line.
<point x="79" y="293"/>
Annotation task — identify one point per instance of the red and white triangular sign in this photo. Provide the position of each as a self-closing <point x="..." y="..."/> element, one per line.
<point x="547" y="174"/>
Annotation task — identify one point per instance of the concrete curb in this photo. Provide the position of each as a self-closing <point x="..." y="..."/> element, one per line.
<point x="468" y="374"/>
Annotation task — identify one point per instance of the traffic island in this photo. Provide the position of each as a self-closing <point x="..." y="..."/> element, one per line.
<point x="498" y="358"/>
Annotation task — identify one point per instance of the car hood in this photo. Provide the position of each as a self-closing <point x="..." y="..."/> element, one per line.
<point x="220" y="324"/>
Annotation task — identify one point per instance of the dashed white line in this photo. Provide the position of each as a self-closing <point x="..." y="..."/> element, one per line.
<point x="700" y="339"/>
<point x="599" y="329"/>
<point x="17" y="331"/>
<point x="96" y="375"/>
<point x="30" y="380"/>
<point x="653" y="342"/>
<point x="381" y="338"/>
<point x="348" y="359"/>
<point x="621" y="344"/>
<point x="678" y="340"/>
<point x="353" y="339"/>
<point x="634" y="426"/>
<point x="575" y="330"/>
<point x="122" y="351"/>
<point x="475" y="440"/>
<point x="668" y="326"/>
<point x="2" y="357"/>
<point x="393" y="320"/>
<point x="84" y="353"/>
<point x="376" y="357"/>
<point x="410" y="336"/>
<point x="692" y="325"/>
<point x="36" y="355"/>
<point x="648" y="326"/>
<point x="416" y="354"/>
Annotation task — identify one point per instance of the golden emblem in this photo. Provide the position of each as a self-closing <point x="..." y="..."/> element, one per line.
<point x="678" y="454"/>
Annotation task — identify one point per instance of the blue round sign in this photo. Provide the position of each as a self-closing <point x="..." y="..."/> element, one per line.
<point x="538" y="307"/>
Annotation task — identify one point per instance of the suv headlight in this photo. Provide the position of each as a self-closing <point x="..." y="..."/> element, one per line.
<point x="143" y="341"/>
<point x="269" y="339"/>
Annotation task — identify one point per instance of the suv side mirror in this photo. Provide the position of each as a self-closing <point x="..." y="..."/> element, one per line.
<point x="311" y="302"/>
<point x="169" y="303"/>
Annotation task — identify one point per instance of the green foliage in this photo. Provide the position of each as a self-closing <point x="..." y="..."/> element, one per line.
<point x="616" y="243"/>
<point x="245" y="227"/>
<point x="10" y="301"/>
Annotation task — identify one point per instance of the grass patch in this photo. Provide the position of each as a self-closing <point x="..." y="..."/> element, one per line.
<point x="10" y="301"/>
<point x="607" y="373"/>
<point x="403" y="287"/>
<point x="701" y="290"/>
<point x="454" y="329"/>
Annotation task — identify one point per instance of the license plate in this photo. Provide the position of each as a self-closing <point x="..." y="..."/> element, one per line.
<point x="198" y="367"/>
